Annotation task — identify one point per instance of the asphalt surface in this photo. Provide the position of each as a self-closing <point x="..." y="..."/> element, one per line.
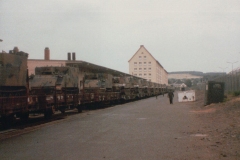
<point x="149" y="129"/>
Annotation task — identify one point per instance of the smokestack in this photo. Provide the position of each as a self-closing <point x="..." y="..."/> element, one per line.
<point x="15" y="49"/>
<point x="69" y="56"/>
<point x="73" y="56"/>
<point x="46" y="54"/>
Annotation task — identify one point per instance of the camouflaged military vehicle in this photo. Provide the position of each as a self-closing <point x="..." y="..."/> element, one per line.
<point x="150" y="88"/>
<point x="142" y="89"/>
<point x="13" y="86"/>
<point x="129" y="88"/>
<point x="54" y="88"/>
<point x="119" y="86"/>
<point x="155" y="88"/>
<point x="145" y="88"/>
<point x="98" y="90"/>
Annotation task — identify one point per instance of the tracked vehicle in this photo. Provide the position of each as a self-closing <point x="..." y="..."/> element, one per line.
<point x="13" y="86"/>
<point x="54" y="88"/>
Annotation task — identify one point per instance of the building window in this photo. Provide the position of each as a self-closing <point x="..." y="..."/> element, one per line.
<point x="149" y="74"/>
<point x="140" y="62"/>
<point x="145" y="62"/>
<point x="140" y="68"/>
<point x="149" y="68"/>
<point x="140" y="57"/>
<point x="145" y="68"/>
<point x="135" y="74"/>
<point x="149" y="62"/>
<point x="135" y="62"/>
<point x="140" y="75"/>
<point x="145" y="74"/>
<point x="135" y="68"/>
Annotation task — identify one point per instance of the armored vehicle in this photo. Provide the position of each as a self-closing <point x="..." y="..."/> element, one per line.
<point x="98" y="90"/>
<point x="54" y="88"/>
<point x="13" y="86"/>
<point x="129" y="88"/>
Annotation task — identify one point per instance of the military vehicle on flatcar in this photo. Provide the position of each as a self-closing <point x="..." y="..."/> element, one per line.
<point x="54" y="88"/>
<point x="13" y="86"/>
<point x="98" y="90"/>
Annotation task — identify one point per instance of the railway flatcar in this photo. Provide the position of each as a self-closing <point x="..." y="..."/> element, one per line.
<point x="129" y="89"/>
<point x="13" y="86"/>
<point x="98" y="90"/>
<point x="54" y="88"/>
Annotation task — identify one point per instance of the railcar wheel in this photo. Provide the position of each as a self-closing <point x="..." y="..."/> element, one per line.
<point x="79" y="108"/>
<point x="24" y="117"/>
<point x="49" y="112"/>
<point x="62" y="111"/>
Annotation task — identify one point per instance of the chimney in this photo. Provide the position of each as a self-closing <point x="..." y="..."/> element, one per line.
<point x="15" y="49"/>
<point x="141" y="46"/>
<point x="69" y="56"/>
<point x="73" y="56"/>
<point x="46" y="54"/>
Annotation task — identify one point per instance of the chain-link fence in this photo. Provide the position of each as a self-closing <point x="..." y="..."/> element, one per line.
<point x="231" y="80"/>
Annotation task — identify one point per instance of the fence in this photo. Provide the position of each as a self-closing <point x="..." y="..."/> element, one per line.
<point x="231" y="80"/>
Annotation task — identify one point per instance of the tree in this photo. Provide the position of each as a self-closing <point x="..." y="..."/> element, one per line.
<point x="188" y="82"/>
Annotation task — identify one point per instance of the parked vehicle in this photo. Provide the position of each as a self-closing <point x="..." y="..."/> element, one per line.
<point x="13" y="86"/>
<point x="54" y="88"/>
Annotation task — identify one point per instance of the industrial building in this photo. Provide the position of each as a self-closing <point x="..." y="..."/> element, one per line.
<point x="144" y="65"/>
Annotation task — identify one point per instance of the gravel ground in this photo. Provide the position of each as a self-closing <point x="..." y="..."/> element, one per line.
<point x="221" y="122"/>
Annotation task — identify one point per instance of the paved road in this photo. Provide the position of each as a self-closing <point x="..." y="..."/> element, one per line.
<point x="149" y="129"/>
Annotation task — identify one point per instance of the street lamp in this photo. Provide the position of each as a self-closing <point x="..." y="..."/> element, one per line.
<point x="232" y="65"/>
<point x="232" y="73"/>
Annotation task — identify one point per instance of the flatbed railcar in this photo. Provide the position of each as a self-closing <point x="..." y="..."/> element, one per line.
<point x="13" y="86"/>
<point x="98" y="91"/>
<point x="53" y="89"/>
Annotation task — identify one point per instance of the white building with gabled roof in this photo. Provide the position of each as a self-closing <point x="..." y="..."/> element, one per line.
<point x="144" y="65"/>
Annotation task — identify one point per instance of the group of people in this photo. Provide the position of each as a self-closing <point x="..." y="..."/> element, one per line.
<point x="170" y="96"/>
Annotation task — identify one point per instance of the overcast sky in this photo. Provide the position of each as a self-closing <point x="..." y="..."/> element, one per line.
<point x="183" y="35"/>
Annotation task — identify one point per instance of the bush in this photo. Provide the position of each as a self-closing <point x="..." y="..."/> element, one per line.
<point x="236" y="93"/>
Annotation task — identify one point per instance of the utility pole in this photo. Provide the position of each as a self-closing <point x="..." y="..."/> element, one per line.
<point x="1" y="41"/>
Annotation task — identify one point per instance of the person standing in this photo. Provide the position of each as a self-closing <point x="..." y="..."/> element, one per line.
<point x="170" y="96"/>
